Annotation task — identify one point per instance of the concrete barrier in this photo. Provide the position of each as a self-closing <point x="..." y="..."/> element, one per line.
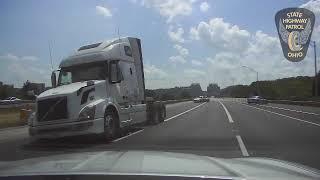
<point x="175" y="101"/>
<point x="299" y="103"/>
<point x="22" y="104"/>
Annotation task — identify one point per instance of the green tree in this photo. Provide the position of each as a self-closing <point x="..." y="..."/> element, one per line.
<point x="213" y="89"/>
<point x="185" y="94"/>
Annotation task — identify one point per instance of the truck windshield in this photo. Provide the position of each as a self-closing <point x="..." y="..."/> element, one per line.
<point x="85" y="72"/>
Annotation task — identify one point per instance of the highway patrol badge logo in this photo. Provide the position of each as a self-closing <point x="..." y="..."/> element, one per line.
<point x="295" y="27"/>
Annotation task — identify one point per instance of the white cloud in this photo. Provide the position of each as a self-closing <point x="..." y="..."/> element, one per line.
<point x="154" y="73"/>
<point x="313" y="5"/>
<point x="234" y="47"/>
<point x="176" y="36"/>
<point x="170" y="8"/>
<point x="181" y="50"/>
<point x="12" y="57"/>
<point x="225" y="60"/>
<point x="103" y="11"/>
<point x="204" y="6"/>
<point x="177" y="59"/>
<point x="18" y="69"/>
<point x="194" y="35"/>
<point x="29" y="58"/>
<point x="133" y="1"/>
<point x="9" y="57"/>
<point x="316" y="34"/>
<point x="221" y="35"/>
<point x="182" y="54"/>
<point x="192" y="73"/>
<point x="196" y="63"/>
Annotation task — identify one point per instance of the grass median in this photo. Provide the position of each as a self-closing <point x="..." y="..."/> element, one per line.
<point x="10" y="117"/>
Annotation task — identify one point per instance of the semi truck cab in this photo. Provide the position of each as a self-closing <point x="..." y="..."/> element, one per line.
<point x="99" y="89"/>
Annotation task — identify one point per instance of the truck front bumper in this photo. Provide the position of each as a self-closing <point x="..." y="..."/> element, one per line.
<point x="67" y="129"/>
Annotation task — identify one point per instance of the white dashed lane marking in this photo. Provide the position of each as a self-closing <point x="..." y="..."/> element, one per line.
<point x="175" y="116"/>
<point x="243" y="148"/>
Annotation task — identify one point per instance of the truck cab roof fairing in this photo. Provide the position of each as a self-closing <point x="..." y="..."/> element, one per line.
<point x="106" y="50"/>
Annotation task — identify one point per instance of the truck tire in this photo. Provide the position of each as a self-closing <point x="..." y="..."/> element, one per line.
<point x="159" y="113"/>
<point x="162" y="114"/>
<point x="111" y="128"/>
<point x="156" y="117"/>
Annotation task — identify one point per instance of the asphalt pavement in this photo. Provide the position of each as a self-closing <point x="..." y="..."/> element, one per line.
<point x="224" y="128"/>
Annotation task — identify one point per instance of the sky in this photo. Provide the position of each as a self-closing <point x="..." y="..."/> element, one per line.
<point x="183" y="41"/>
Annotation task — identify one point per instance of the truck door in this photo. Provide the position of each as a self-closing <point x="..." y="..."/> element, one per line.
<point x="119" y="91"/>
<point x="138" y="108"/>
<point x="127" y="87"/>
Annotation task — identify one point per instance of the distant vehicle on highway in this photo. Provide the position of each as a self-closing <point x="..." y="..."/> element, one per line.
<point x="10" y="100"/>
<point x="206" y="98"/>
<point x="256" y="100"/>
<point x="201" y="99"/>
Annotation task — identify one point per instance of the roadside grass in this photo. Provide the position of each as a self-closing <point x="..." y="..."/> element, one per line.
<point x="10" y="117"/>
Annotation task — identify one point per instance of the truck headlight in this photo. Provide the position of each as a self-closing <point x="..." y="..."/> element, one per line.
<point x="87" y="113"/>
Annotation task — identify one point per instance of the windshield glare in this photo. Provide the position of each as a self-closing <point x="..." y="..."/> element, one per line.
<point x="97" y="71"/>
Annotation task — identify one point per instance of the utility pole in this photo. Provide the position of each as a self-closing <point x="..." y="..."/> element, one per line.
<point x="49" y="43"/>
<point x="258" y="90"/>
<point x="315" y="69"/>
<point x="251" y="69"/>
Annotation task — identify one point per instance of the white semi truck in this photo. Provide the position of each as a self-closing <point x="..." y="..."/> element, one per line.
<point x="98" y="90"/>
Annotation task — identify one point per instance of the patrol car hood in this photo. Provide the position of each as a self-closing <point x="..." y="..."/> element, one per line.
<point x="158" y="163"/>
<point x="66" y="89"/>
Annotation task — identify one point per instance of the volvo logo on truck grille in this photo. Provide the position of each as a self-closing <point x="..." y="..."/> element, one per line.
<point x="294" y="27"/>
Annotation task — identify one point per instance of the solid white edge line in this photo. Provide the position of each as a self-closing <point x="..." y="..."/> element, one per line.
<point x="227" y="112"/>
<point x="297" y="119"/>
<point x="242" y="146"/>
<point x="304" y="112"/>
<point x="183" y="112"/>
<point x="124" y="137"/>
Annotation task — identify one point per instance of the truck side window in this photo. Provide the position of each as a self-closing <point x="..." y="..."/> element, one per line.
<point x="115" y="72"/>
<point x="128" y="51"/>
<point x="104" y="71"/>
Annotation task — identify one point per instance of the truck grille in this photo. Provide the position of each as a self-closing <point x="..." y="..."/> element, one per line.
<point x="52" y="109"/>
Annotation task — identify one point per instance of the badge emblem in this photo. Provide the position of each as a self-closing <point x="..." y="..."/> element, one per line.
<point x="295" y="27"/>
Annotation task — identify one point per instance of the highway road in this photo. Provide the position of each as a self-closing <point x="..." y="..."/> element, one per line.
<point x="224" y="128"/>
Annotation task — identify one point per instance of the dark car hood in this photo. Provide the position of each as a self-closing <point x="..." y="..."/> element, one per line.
<point x="158" y="163"/>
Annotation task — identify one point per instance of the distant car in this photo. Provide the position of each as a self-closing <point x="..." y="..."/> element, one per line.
<point x="197" y="100"/>
<point x="201" y="99"/>
<point x="10" y="100"/>
<point x="206" y="99"/>
<point x="256" y="100"/>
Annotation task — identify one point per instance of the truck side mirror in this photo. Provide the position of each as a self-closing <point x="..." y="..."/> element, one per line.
<point x="53" y="79"/>
<point x="114" y="72"/>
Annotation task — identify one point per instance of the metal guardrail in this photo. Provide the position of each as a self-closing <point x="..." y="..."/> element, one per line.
<point x="175" y="101"/>
<point x="299" y="103"/>
<point x="289" y="102"/>
<point x="6" y="106"/>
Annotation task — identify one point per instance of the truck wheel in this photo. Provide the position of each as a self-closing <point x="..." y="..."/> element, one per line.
<point x="162" y="114"/>
<point x="111" y="128"/>
<point x="156" y="117"/>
